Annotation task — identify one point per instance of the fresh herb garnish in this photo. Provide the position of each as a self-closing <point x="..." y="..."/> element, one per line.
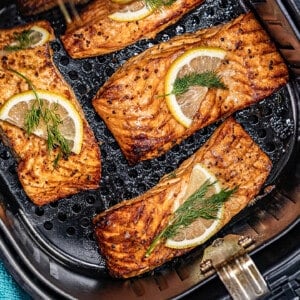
<point x="172" y="175"/>
<point x="157" y="4"/>
<point x="55" y="138"/>
<point x="52" y="120"/>
<point x="22" y="40"/>
<point x="208" y="79"/>
<point x="196" y="206"/>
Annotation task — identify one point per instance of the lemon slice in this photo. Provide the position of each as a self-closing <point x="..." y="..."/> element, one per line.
<point x="133" y="11"/>
<point x="34" y="37"/>
<point x="38" y="36"/>
<point x="201" y="229"/>
<point x="183" y="107"/>
<point x="71" y="127"/>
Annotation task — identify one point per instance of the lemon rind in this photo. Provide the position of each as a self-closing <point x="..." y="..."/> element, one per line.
<point x="177" y="64"/>
<point x="131" y="16"/>
<point x="200" y="239"/>
<point x="53" y="98"/>
<point x="45" y="34"/>
<point x="170" y="243"/>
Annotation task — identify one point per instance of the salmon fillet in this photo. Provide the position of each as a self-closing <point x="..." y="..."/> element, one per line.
<point x="97" y="34"/>
<point x="132" y="105"/>
<point x="42" y="181"/>
<point x="125" y="231"/>
<point x="33" y="7"/>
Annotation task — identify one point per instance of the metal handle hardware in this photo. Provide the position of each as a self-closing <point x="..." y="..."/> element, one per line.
<point x="235" y="267"/>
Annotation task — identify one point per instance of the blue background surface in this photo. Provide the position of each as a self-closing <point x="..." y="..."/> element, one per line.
<point x="9" y="289"/>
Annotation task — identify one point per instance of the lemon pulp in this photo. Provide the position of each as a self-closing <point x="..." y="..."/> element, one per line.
<point x="71" y="127"/>
<point x="39" y="36"/>
<point x="201" y="229"/>
<point x="133" y="11"/>
<point x="36" y="36"/>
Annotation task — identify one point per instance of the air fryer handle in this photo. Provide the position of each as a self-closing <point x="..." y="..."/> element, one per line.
<point x="291" y="9"/>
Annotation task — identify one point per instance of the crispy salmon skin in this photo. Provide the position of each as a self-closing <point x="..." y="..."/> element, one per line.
<point x="42" y="181"/>
<point x="125" y="231"/>
<point x="132" y="105"/>
<point x="98" y="34"/>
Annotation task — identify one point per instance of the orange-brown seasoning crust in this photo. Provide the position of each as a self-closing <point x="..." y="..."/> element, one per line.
<point x="125" y="231"/>
<point x="41" y="180"/>
<point x="98" y="34"/>
<point x="131" y="102"/>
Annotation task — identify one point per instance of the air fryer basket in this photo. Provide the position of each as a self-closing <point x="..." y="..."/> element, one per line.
<point x="51" y="249"/>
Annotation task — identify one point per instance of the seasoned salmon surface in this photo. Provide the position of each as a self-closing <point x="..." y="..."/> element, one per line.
<point x="98" y="34"/>
<point x="41" y="180"/>
<point x="33" y="7"/>
<point x="132" y="105"/>
<point x="125" y="231"/>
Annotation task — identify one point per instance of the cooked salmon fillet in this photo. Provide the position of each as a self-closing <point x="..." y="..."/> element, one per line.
<point x="41" y="180"/>
<point x="33" y="7"/>
<point x="125" y="231"/>
<point x="132" y="105"/>
<point x="98" y="34"/>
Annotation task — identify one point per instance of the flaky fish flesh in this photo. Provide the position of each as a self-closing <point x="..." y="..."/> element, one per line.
<point x="98" y="34"/>
<point x="42" y="181"/>
<point x="132" y="102"/>
<point x="125" y="231"/>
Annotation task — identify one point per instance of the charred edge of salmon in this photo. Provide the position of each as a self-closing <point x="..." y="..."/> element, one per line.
<point x="42" y="23"/>
<point x="92" y="36"/>
<point x="40" y="179"/>
<point x="125" y="231"/>
<point x="260" y="81"/>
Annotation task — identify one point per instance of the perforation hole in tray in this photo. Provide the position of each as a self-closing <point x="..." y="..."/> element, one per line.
<point x="67" y="223"/>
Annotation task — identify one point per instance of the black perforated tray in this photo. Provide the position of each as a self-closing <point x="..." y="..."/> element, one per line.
<point x="62" y="231"/>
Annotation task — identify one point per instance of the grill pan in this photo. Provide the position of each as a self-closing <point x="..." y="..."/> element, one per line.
<point x="59" y="235"/>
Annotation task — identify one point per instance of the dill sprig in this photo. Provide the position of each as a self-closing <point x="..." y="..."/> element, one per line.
<point x="208" y="79"/>
<point x="52" y="120"/>
<point x="158" y="4"/>
<point x="33" y="116"/>
<point x="196" y="206"/>
<point x="55" y="138"/>
<point x="22" y="40"/>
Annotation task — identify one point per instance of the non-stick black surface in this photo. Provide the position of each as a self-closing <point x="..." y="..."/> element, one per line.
<point x="64" y="228"/>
